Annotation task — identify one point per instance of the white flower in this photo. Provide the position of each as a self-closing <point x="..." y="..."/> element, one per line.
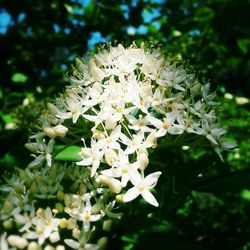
<point x="44" y="224"/>
<point x="139" y="124"/>
<point x="91" y="157"/>
<point x="45" y="150"/>
<point x="85" y="214"/>
<point x="120" y="168"/>
<point x="111" y="141"/>
<point x="74" y="109"/>
<point x="141" y="187"/>
<point x="166" y="126"/>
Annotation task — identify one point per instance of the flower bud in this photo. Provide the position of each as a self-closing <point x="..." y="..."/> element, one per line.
<point x="107" y="225"/>
<point x="60" y="195"/>
<point x="60" y="247"/>
<point x="102" y="243"/>
<point x="33" y="246"/>
<point x="76" y="233"/>
<point x="143" y="160"/>
<point x="8" y="224"/>
<point x="60" y="130"/>
<point x="63" y="223"/>
<point x="40" y="212"/>
<point x="54" y="237"/>
<point x="119" y="198"/>
<point x="17" y="241"/>
<point x="71" y="223"/>
<point x="114" y="185"/>
<point x="52" y="108"/>
<point x="49" y="132"/>
<point x="110" y="156"/>
<point x="31" y="147"/>
<point x="59" y="207"/>
<point x="48" y="247"/>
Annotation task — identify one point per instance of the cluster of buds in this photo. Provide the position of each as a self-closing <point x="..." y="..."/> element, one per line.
<point x="120" y="103"/>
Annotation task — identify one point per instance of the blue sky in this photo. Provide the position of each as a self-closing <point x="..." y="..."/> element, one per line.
<point x="96" y="37"/>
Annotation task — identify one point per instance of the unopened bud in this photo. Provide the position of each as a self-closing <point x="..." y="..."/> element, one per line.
<point x="54" y="237"/>
<point x="114" y="185"/>
<point x="59" y="207"/>
<point x="60" y="247"/>
<point x="107" y="225"/>
<point x="72" y="223"/>
<point x="7" y="207"/>
<point x="49" y="132"/>
<point x="40" y="212"/>
<point x="76" y="233"/>
<point x="63" y="223"/>
<point x="31" y="147"/>
<point x="33" y="246"/>
<point x="60" y="195"/>
<point x="8" y="224"/>
<point x="17" y="241"/>
<point x="60" y="130"/>
<point x="119" y="198"/>
<point x="143" y="161"/>
<point x="52" y="108"/>
<point x="102" y="243"/>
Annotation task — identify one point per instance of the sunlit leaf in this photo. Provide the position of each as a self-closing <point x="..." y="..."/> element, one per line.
<point x="67" y="153"/>
<point x="19" y="78"/>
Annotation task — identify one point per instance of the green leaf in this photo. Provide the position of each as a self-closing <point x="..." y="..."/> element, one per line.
<point x="67" y="153"/>
<point x="19" y="78"/>
<point x="245" y="194"/>
<point x="243" y="45"/>
<point x="233" y="182"/>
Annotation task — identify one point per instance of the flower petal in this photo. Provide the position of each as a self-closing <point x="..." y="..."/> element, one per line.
<point x="131" y="194"/>
<point x="147" y="195"/>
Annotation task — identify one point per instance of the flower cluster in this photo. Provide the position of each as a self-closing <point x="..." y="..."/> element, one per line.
<point x="120" y="103"/>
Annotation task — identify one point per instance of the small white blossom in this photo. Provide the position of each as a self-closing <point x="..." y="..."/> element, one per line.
<point x="141" y="187"/>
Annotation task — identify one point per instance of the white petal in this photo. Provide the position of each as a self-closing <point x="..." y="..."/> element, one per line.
<point x="134" y="176"/>
<point x="151" y="180"/>
<point x="161" y="132"/>
<point x="37" y="162"/>
<point x="72" y="243"/>
<point x="149" y="197"/>
<point x="131" y="194"/>
<point x="156" y="122"/>
<point x="85" y="162"/>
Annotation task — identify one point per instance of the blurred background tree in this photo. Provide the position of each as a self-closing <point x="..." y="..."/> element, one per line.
<point x="39" y="40"/>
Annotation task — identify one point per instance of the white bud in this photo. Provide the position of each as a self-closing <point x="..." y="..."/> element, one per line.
<point x="49" y="132"/>
<point x="228" y="96"/>
<point x="48" y="247"/>
<point x="114" y="185"/>
<point x="33" y="246"/>
<point x="143" y="160"/>
<point x="60" y="130"/>
<point x="17" y="241"/>
<point x="110" y="156"/>
<point x="76" y="233"/>
<point x="54" y="237"/>
<point x="60" y="247"/>
<point x="241" y="100"/>
<point x="71" y="223"/>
